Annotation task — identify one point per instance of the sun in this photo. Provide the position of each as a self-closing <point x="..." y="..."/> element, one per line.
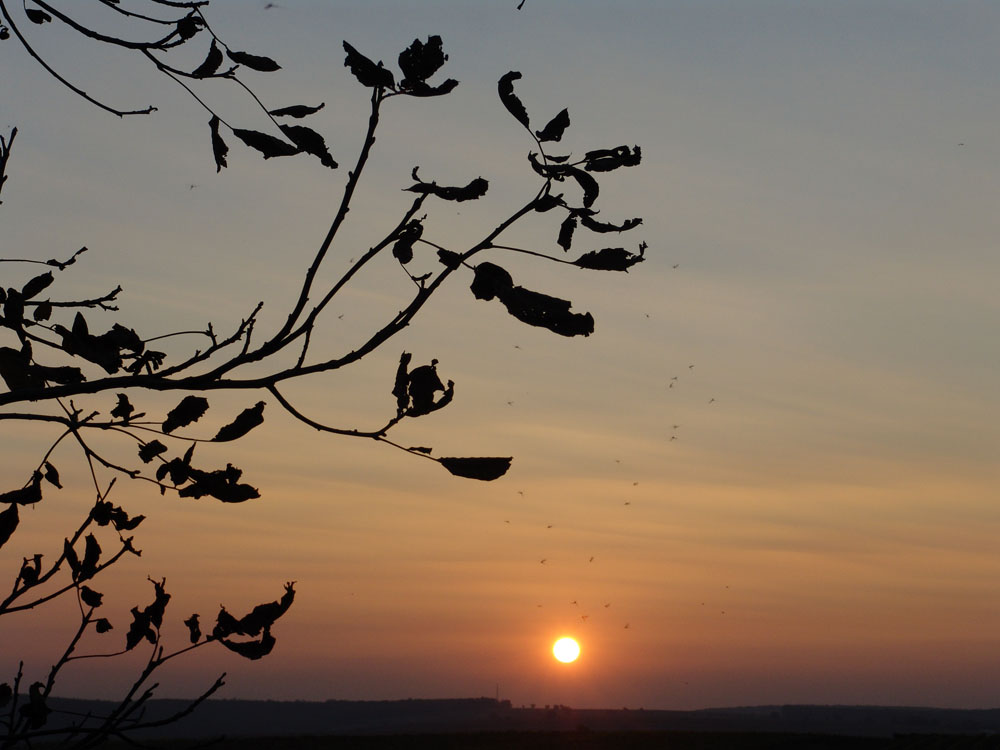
<point x="566" y="650"/>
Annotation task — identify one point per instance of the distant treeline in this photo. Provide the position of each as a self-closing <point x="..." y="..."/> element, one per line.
<point x="487" y="717"/>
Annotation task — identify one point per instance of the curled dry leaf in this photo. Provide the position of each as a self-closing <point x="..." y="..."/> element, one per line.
<point x="484" y="469"/>
<point x="505" y="87"/>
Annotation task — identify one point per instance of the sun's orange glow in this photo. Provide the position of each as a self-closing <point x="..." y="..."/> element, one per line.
<point x="566" y="650"/>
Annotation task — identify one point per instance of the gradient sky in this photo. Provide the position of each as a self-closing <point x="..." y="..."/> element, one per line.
<point x="818" y="187"/>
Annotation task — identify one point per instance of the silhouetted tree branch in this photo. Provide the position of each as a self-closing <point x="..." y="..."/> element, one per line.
<point x="51" y="356"/>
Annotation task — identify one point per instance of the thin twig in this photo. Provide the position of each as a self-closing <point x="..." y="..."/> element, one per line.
<point x="80" y="92"/>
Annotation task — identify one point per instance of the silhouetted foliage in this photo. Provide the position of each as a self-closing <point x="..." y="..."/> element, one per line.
<point x="556" y="127"/>
<point x="475" y="189"/>
<point x="610" y="259"/>
<point x="486" y="469"/>
<point x="245" y="421"/>
<point x="52" y="356"/>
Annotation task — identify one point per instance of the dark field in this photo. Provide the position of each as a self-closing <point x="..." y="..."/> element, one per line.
<point x="588" y="740"/>
<point x="488" y="724"/>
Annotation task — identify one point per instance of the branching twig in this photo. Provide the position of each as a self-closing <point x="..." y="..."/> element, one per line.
<point x="75" y="89"/>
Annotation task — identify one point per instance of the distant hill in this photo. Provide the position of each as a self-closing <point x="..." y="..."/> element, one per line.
<point x="239" y="718"/>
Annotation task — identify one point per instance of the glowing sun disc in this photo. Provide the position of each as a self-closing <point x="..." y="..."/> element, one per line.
<point x="566" y="650"/>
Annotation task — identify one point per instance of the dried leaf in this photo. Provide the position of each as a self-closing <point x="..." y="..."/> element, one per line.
<point x="151" y="450"/>
<point x="36" y="285"/>
<point x="101" y="512"/>
<point x="91" y="556"/>
<point x="102" y="625"/>
<point x="121" y="337"/>
<point x="211" y="64"/>
<point x="80" y="327"/>
<point x="566" y="230"/>
<point x="90" y="597"/>
<point x="505" y="87"/>
<point x="156" y="610"/>
<point x="222" y="484"/>
<point x="610" y="259"/>
<point x="414" y="391"/>
<point x="423" y="383"/>
<point x="71" y="559"/>
<point x="225" y="624"/>
<point x="268" y="145"/>
<point x="422" y="89"/>
<point x="194" y="628"/>
<point x="555" y="128"/>
<point x="297" y="111"/>
<point x="588" y="183"/>
<point x="475" y="189"/>
<point x="604" y="227"/>
<point x="122" y="522"/>
<point x="188" y="26"/>
<point x="104" y="513"/>
<point x="43" y="311"/>
<point x="8" y="523"/>
<point x="139" y="629"/>
<point x="37" y="16"/>
<point x="245" y="421"/>
<point x="420" y="61"/>
<point x="103" y="350"/>
<point x="219" y="147"/>
<point x="402" y="250"/>
<point x="527" y="306"/>
<point x="606" y="160"/>
<point x="484" y="469"/>
<point x="367" y="72"/>
<point x="255" y="62"/>
<point x="123" y="410"/>
<point x="259" y="620"/>
<point x="263" y="616"/>
<point x="541" y="310"/>
<point x="51" y="475"/>
<point x="490" y="280"/>
<point x="190" y="409"/>
<point x="31" y="570"/>
<point x="25" y="495"/>
<point x="13" y="310"/>
<point x="251" y="649"/>
<point x="311" y="142"/>
<point x="16" y="369"/>
<point x="449" y="258"/>
<point x="399" y="387"/>
<point x="178" y="470"/>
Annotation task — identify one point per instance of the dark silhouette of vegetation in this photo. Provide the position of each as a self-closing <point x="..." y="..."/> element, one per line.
<point x="60" y="371"/>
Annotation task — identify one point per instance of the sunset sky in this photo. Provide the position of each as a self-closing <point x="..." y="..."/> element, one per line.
<point x="770" y="475"/>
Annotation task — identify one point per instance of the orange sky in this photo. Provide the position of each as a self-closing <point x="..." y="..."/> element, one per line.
<point x="821" y="525"/>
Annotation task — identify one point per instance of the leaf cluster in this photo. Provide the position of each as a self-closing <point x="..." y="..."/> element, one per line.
<point x="25" y="715"/>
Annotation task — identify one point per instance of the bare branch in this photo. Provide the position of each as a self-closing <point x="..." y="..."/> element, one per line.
<point x="99" y="37"/>
<point x="354" y="176"/>
<point x="75" y="89"/>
